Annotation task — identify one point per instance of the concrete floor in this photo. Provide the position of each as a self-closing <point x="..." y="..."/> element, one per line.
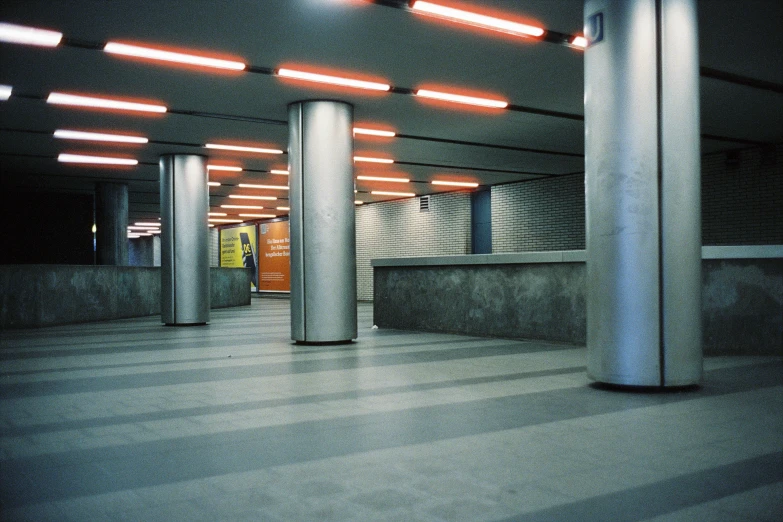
<point x="130" y="420"/>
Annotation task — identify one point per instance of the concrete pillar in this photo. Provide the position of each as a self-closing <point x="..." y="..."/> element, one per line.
<point x="643" y="201"/>
<point x="111" y="224"/>
<point x="323" y="229"/>
<point x="184" y="204"/>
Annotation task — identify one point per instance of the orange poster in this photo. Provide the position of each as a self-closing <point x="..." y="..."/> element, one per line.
<point x="274" y="257"/>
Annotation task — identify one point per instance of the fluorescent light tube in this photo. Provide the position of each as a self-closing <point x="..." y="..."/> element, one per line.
<point x="21" y="34"/>
<point x="213" y="184"/>
<point x="245" y="207"/>
<point x="455" y="183"/>
<point x="284" y="208"/>
<point x="222" y="220"/>
<point x="5" y="92"/>
<point x="239" y="148"/>
<point x="579" y="41"/>
<point x="242" y="196"/>
<point x="258" y="215"/>
<point x="169" y="56"/>
<point x="380" y="178"/>
<point x="333" y="80"/>
<point x="98" y="136"/>
<point x="374" y="132"/>
<point x="142" y="227"/>
<point x="476" y="19"/>
<point x="143" y="224"/>
<point x="357" y="202"/>
<point x="281" y="172"/>
<point x="59" y="98"/>
<point x="98" y="160"/>
<point x="218" y="214"/>
<point x="461" y="98"/>
<point x="270" y="187"/>
<point x="386" y="193"/>
<point x="227" y="168"/>
<point x="373" y="160"/>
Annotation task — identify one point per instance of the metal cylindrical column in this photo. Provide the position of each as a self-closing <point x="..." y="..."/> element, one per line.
<point x="184" y="204"/>
<point x="642" y="186"/>
<point x="323" y="229"/>
<point x="111" y="224"/>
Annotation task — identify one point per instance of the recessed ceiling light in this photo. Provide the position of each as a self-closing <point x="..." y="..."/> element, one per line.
<point x="5" y="92"/>
<point x="246" y="207"/>
<point x="387" y="193"/>
<point x="169" y="56"/>
<point x="373" y="160"/>
<point x="21" y="34"/>
<point x="243" y="196"/>
<point x="333" y="80"/>
<point x="97" y="136"/>
<point x="227" y="168"/>
<point x="381" y="178"/>
<point x="476" y="19"/>
<point x="461" y="98"/>
<point x="455" y="183"/>
<point x="374" y="132"/>
<point x="59" y="98"/>
<point x="97" y="160"/>
<point x="269" y="187"/>
<point x="240" y="148"/>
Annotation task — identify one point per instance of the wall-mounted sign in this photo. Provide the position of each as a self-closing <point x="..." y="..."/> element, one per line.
<point x="238" y="248"/>
<point x="274" y="257"/>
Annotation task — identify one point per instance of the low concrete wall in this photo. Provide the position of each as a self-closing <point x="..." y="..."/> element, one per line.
<point x="541" y="296"/>
<point x="43" y="295"/>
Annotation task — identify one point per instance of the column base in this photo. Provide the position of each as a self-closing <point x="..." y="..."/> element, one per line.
<point x="185" y="324"/>
<point x="322" y="343"/>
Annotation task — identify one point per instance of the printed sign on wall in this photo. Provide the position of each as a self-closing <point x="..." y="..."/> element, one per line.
<point x="238" y="249"/>
<point x="274" y="257"/>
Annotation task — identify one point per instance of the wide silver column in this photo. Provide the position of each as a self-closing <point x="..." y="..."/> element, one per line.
<point x="184" y="204"/>
<point x="323" y="229"/>
<point x="642" y="184"/>
<point x="111" y="224"/>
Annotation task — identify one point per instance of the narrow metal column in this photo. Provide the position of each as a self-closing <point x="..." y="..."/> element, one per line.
<point x="184" y="203"/>
<point x="323" y="229"/>
<point x="111" y="223"/>
<point x="642" y="185"/>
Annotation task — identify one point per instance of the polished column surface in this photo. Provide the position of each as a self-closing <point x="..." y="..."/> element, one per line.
<point x="323" y="229"/>
<point x="184" y="203"/>
<point x="642" y="189"/>
<point x="111" y="222"/>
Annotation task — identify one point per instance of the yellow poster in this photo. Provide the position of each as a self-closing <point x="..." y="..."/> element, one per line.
<point x="274" y="257"/>
<point x="238" y="248"/>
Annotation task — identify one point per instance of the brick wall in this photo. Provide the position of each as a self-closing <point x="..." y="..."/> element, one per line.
<point x="742" y="197"/>
<point x="398" y="229"/>
<point x="544" y="214"/>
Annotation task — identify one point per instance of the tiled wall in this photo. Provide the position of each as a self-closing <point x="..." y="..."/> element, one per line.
<point x="214" y="247"/>
<point x="398" y="229"/>
<point x="742" y="197"/>
<point x="544" y="214"/>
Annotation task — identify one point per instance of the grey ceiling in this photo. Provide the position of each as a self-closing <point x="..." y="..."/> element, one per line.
<point x="741" y="52"/>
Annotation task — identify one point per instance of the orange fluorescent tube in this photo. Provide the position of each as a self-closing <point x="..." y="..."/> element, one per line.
<point x="455" y="183"/>
<point x="97" y="160"/>
<point x="373" y="160"/>
<point x="245" y="207"/>
<point x="213" y="184"/>
<point x="242" y="196"/>
<point x="281" y="172"/>
<point x="222" y="220"/>
<point x="217" y="214"/>
<point x="475" y="19"/>
<point x="271" y="187"/>
<point x="20" y="34"/>
<point x="461" y="98"/>
<point x="374" y="132"/>
<point x="224" y="167"/>
<point x="333" y="80"/>
<point x="258" y="215"/>
<point x="98" y="136"/>
<point x="59" y="98"/>
<point x="168" y="56"/>
<point x="239" y="148"/>
<point x="380" y="178"/>
<point x="386" y="193"/>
